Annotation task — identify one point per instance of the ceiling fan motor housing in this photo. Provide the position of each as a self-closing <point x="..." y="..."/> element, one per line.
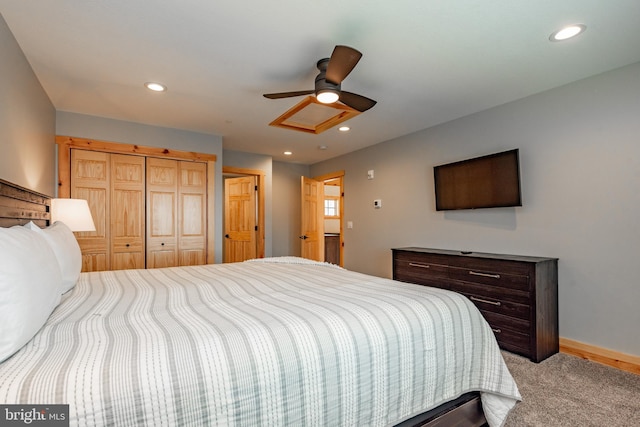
<point x="321" y="82"/>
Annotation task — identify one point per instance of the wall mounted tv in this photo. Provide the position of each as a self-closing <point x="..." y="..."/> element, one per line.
<point x="483" y="182"/>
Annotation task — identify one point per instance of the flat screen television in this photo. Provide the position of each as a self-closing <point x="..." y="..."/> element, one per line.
<point x="483" y="182"/>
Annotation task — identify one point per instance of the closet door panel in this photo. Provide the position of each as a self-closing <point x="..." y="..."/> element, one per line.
<point x="192" y="219"/>
<point x="162" y="190"/>
<point x="90" y="180"/>
<point x="162" y="206"/>
<point x="127" y="212"/>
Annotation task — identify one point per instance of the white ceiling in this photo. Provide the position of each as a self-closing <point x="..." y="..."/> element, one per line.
<point x="424" y="61"/>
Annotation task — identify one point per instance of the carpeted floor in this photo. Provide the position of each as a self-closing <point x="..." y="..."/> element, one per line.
<point x="568" y="391"/>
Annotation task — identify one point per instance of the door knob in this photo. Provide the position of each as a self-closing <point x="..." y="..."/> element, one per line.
<point x="226" y="235"/>
<point x="303" y="237"/>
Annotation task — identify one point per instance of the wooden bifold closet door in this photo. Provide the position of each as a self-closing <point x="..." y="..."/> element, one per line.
<point x="114" y="186"/>
<point x="149" y="212"/>
<point x="176" y="213"/>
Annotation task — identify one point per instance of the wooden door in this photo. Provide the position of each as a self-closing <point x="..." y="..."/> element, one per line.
<point x="90" y="179"/>
<point x="127" y="216"/>
<point x="240" y="219"/>
<point x="162" y="191"/>
<point x="192" y="213"/>
<point x="312" y="221"/>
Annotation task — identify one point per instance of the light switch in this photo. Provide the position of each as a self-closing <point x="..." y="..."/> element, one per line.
<point x="349" y="224"/>
<point x="370" y="174"/>
<point x="377" y="203"/>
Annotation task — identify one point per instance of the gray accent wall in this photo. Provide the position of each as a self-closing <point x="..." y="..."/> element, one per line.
<point x="580" y="174"/>
<point x="27" y="121"/>
<point x="287" y="207"/>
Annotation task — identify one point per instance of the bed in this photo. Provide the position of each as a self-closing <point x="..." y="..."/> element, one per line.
<point x="275" y="341"/>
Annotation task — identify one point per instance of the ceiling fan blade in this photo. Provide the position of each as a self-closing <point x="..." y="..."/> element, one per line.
<point x="355" y="101"/>
<point x="287" y="94"/>
<point x="343" y="60"/>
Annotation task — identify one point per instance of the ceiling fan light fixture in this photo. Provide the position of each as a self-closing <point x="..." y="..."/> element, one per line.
<point x="567" y="32"/>
<point x="156" y="87"/>
<point x="327" y="96"/>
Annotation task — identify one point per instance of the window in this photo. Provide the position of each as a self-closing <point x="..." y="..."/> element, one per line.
<point x="331" y="207"/>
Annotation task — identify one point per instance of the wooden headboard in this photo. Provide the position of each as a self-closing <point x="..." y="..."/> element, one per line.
<point x="19" y="205"/>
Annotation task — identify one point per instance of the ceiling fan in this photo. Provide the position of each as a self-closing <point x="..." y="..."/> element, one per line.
<point x="332" y="72"/>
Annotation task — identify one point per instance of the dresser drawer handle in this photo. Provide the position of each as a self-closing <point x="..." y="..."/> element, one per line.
<point x="496" y="330"/>
<point x="413" y="264"/>
<point x="496" y="303"/>
<point x="475" y="273"/>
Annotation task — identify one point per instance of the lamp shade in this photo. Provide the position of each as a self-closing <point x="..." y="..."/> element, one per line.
<point x="74" y="213"/>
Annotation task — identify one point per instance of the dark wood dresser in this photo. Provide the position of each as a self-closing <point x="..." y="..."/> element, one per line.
<point x="517" y="295"/>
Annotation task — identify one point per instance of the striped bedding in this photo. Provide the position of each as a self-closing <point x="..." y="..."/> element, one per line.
<point x="273" y="342"/>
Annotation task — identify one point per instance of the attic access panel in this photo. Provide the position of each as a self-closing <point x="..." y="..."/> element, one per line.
<point x="312" y="116"/>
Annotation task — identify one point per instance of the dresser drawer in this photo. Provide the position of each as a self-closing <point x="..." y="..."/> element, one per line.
<point x="498" y="304"/>
<point x="490" y="292"/>
<point x="506" y="322"/>
<point x="418" y="271"/>
<point x="428" y="258"/>
<point x="513" y="341"/>
<point x="490" y="277"/>
<point x="512" y="334"/>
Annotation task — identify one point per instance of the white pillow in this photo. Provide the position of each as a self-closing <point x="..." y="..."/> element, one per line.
<point x="29" y="286"/>
<point x="65" y="246"/>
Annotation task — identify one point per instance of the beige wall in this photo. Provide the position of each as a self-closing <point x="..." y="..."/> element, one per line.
<point x="27" y="121"/>
<point x="580" y="167"/>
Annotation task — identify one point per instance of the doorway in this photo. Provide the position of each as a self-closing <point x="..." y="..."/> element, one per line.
<point x="333" y="216"/>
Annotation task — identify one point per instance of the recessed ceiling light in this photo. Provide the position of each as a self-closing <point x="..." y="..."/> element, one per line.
<point x="322" y="147"/>
<point x="344" y="128"/>
<point x="288" y="153"/>
<point x="567" y="32"/>
<point x="156" y="87"/>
